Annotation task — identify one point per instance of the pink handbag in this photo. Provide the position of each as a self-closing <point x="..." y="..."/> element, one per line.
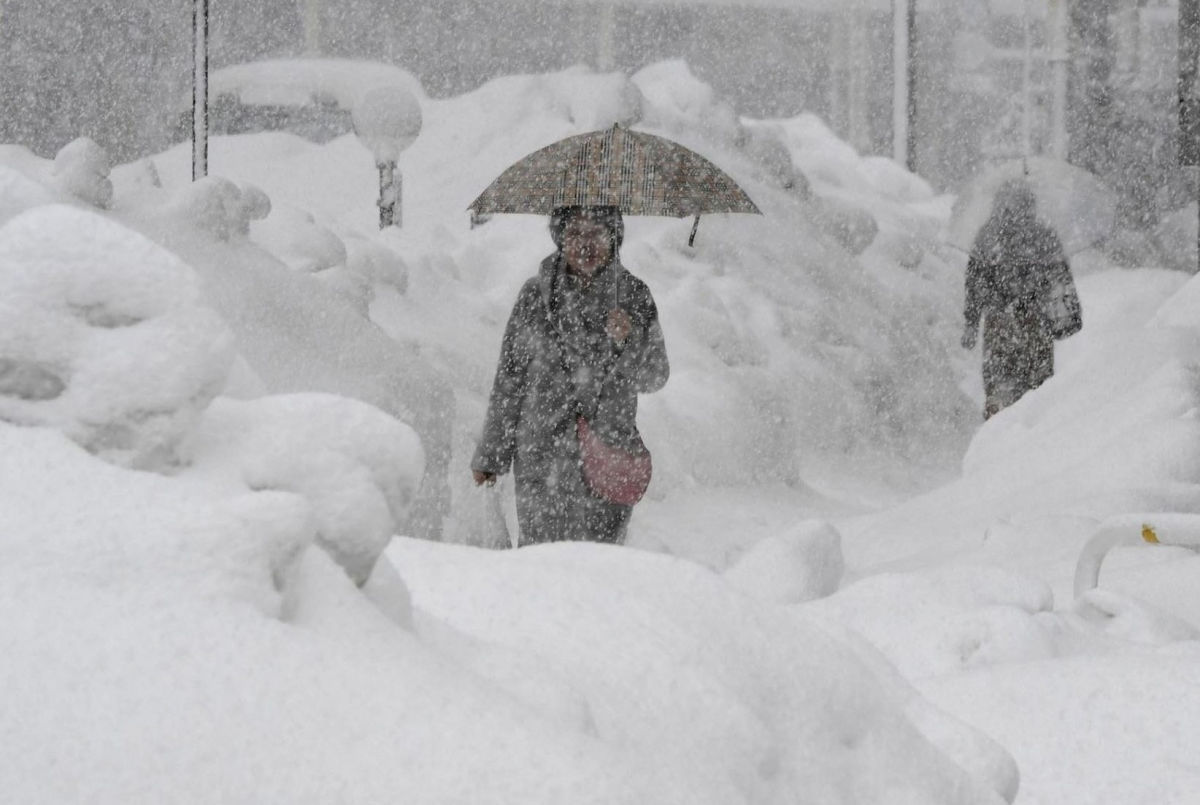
<point x="617" y="475"/>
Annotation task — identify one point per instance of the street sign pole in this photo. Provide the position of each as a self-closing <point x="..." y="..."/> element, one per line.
<point x="904" y="81"/>
<point x="199" y="89"/>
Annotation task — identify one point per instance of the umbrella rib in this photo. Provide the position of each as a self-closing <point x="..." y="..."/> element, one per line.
<point x="605" y="166"/>
<point x="560" y="196"/>
<point x="581" y="184"/>
<point x="648" y="186"/>
<point x="627" y="163"/>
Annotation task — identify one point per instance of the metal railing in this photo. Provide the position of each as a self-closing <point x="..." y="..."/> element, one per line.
<point x="1181" y="530"/>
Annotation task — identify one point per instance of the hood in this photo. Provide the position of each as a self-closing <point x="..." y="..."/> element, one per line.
<point x="609" y="216"/>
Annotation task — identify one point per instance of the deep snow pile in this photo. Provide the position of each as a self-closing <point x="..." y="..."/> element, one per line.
<point x="178" y="635"/>
<point x="968" y="589"/>
<point x="175" y="642"/>
<point x="623" y="673"/>
<point x="179" y="629"/>
<point x="105" y="337"/>
<point x="108" y="342"/>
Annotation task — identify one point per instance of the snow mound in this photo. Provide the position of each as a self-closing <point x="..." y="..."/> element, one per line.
<point x="949" y="619"/>
<point x="678" y="102"/>
<point x="19" y="193"/>
<point x="175" y="638"/>
<point x="646" y="638"/>
<point x="81" y="170"/>
<point x="1123" y="618"/>
<point x="296" y="332"/>
<point x="801" y="565"/>
<point x="220" y="207"/>
<point x="376" y="263"/>
<point x="79" y="173"/>
<point x="295" y="238"/>
<point x="106" y="336"/>
<point x="1119" y="419"/>
<point x="357" y="467"/>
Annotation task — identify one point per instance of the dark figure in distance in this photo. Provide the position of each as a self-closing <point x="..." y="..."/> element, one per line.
<point x="582" y="339"/>
<point x="1019" y="282"/>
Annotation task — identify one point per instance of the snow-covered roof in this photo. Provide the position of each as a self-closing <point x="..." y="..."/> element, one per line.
<point x="299" y="82"/>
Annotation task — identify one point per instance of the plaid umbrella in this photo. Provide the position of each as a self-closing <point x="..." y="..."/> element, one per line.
<point x="636" y="172"/>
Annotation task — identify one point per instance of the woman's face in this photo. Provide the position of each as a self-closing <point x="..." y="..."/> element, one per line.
<point x="586" y="246"/>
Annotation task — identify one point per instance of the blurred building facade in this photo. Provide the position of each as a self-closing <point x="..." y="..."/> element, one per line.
<point x="118" y="70"/>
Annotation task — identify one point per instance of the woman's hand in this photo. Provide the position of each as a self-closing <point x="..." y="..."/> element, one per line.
<point x="482" y="478"/>
<point x="619" y="325"/>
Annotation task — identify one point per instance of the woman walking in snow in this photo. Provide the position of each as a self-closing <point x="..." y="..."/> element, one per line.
<point x="582" y="342"/>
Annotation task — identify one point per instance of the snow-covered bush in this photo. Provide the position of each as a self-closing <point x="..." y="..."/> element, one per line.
<point x="220" y="207"/>
<point x="305" y="246"/>
<point x="295" y="238"/>
<point x="679" y="103"/>
<point x="764" y="144"/>
<point x="17" y="191"/>
<point x="105" y="336"/>
<point x="850" y="225"/>
<point x="577" y="97"/>
<point x="800" y="565"/>
<point x="81" y="170"/>
<point x="358" y="468"/>
<point x="377" y="263"/>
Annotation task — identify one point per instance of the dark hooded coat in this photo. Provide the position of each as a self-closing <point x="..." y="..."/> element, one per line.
<point x="1016" y="266"/>
<point x="557" y="361"/>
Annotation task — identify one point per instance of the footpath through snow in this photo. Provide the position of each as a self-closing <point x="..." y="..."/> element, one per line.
<point x="218" y="402"/>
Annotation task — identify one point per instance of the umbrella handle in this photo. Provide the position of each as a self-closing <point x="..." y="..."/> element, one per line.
<point x="695" y="226"/>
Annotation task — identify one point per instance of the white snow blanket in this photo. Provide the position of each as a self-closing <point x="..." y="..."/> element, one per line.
<point x="207" y="450"/>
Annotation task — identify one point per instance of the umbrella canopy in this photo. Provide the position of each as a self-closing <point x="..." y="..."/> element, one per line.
<point x="1076" y="204"/>
<point x="639" y="173"/>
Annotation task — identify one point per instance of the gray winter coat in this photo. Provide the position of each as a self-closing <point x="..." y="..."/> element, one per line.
<point x="558" y="361"/>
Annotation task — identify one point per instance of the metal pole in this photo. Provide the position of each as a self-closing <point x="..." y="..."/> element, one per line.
<point x="199" y="89"/>
<point x="605" y="50"/>
<point x="1157" y="528"/>
<point x="397" y="197"/>
<point x="899" y="83"/>
<point x="312" y="27"/>
<point x="1027" y="87"/>
<point x="387" y="204"/>
<point x="836" y="49"/>
<point x="912" y="86"/>
<point x="1059" y="61"/>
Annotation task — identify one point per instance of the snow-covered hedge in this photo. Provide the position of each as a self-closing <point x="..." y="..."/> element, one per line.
<point x="105" y="336"/>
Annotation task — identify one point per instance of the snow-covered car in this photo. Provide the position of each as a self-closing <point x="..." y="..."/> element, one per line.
<point x="312" y="98"/>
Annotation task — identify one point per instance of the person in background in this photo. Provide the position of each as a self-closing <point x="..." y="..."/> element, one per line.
<point x="583" y="339"/>
<point x="1019" y="283"/>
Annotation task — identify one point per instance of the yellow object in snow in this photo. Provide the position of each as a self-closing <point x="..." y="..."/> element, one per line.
<point x="1148" y="533"/>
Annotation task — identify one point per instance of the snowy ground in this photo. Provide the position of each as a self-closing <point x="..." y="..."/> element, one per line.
<point x="844" y="589"/>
